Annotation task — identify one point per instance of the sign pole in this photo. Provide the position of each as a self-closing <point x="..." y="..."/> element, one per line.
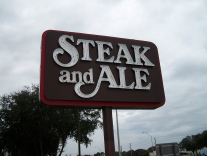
<point x="108" y="131"/>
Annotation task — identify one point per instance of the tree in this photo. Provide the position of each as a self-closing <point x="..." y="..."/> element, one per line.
<point x="138" y="152"/>
<point x="197" y="140"/>
<point x="28" y="127"/>
<point x="141" y="152"/>
<point x="204" y="139"/>
<point x="191" y="143"/>
<point x="187" y="143"/>
<point x="194" y="142"/>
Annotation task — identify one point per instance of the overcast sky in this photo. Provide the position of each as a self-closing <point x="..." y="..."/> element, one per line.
<point x="177" y="27"/>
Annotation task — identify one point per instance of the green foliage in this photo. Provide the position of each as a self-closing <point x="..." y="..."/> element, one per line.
<point x="194" y="142"/>
<point x="99" y="154"/>
<point x="29" y="128"/>
<point x="204" y="138"/>
<point x="138" y="152"/>
<point x="141" y="152"/>
<point x="188" y="143"/>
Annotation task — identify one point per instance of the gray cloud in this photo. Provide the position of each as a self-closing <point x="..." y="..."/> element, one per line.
<point x="178" y="28"/>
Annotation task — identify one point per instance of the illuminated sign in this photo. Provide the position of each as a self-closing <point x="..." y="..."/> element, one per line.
<point x="94" y="71"/>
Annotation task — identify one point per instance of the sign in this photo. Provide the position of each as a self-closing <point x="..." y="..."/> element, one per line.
<point x="95" y="71"/>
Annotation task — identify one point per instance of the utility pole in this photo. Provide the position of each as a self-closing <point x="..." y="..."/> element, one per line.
<point x="130" y="149"/>
<point x="152" y="143"/>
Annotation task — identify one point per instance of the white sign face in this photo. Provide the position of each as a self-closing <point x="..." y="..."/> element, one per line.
<point x="99" y="68"/>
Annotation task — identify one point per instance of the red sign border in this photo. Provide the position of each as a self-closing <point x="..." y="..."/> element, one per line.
<point x="87" y="104"/>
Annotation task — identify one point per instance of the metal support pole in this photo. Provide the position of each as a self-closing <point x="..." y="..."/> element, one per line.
<point x="130" y="149"/>
<point x="108" y="131"/>
<point x="117" y="124"/>
<point x="152" y="147"/>
<point x="152" y="143"/>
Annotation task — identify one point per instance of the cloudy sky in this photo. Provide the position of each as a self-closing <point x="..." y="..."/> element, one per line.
<point x="177" y="27"/>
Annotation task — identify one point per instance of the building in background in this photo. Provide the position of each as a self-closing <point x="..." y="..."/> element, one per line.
<point x="167" y="149"/>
